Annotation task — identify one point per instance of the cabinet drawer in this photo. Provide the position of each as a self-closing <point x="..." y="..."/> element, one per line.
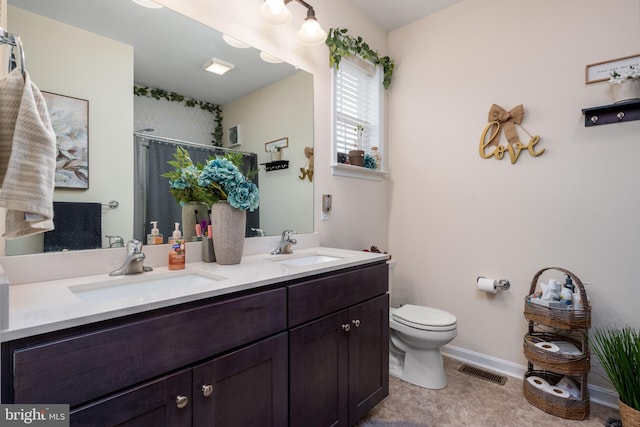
<point x="90" y="365"/>
<point x="318" y="297"/>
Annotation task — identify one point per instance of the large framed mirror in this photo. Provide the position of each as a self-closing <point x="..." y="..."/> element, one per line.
<point x="98" y="50"/>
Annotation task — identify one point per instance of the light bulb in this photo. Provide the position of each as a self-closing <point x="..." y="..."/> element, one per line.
<point x="311" y="33"/>
<point x="274" y="12"/>
<point x="276" y="6"/>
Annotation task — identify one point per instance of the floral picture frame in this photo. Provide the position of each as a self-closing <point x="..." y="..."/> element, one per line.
<point x="70" y="120"/>
<point x="233" y="136"/>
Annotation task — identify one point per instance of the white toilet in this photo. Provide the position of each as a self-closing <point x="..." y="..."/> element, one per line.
<point x="416" y="334"/>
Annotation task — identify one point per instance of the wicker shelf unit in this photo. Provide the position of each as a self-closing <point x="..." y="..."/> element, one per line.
<point x="560" y="325"/>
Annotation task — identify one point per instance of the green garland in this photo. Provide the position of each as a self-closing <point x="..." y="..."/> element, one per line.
<point x="189" y="102"/>
<point x="342" y="45"/>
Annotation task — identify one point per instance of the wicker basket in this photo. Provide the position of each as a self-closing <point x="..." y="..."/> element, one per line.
<point x="567" y="364"/>
<point x="569" y="408"/>
<point x="630" y="417"/>
<point x="561" y="318"/>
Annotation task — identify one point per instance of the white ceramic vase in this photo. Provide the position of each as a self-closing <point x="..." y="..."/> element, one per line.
<point x="628" y="90"/>
<point x="228" y="228"/>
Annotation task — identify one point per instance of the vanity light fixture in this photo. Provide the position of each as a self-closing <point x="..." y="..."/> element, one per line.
<point x="275" y="12"/>
<point x="218" y="66"/>
<point x="148" y="3"/>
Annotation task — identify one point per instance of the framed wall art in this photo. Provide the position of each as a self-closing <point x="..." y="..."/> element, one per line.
<point x="278" y="143"/>
<point x="233" y="136"/>
<point x="70" y="121"/>
<point x="601" y="71"/>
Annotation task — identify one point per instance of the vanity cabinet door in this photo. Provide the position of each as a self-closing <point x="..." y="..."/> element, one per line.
<point x="368" y="356"/>
<point x="162" y="403"/>
<point x="245" y="388"/>
<point x="318" y="386"/>
<point x="339" y="365"/>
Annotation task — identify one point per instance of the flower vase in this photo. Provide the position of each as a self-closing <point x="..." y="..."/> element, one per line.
<point x="627" y="90"/>
<point x="228" y="228"/>
<point x="192" y="214"/>
<point x="276" y="155"/>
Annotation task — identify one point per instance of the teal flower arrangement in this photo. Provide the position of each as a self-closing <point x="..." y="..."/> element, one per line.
<point x="219" y="179"/>
<point x="369" y="161"/>
<point x="224" y="181"/>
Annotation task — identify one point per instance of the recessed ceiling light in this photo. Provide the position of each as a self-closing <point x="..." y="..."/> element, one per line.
<point x="217" y="66"/>
<point x="234" y="42"/>
<point x="148" y="3"/>
<point x="267" y="57"/>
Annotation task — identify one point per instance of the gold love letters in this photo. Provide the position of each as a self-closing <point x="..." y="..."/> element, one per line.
<point x="500" y="119"/>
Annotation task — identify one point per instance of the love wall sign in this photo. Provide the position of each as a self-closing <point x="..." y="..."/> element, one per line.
<point x="506" y="121"/>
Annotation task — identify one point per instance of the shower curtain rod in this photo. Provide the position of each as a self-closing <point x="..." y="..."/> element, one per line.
<point x="148" y="137"/>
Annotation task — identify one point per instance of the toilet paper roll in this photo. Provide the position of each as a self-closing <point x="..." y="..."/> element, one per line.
<point x="486" y="285"/>
<point x="548" y="346"/>
<point x="556" y="391"/>
<point x="539" y="383"/>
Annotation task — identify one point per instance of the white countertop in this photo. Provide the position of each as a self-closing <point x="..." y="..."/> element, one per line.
<point x="41" y="307"/>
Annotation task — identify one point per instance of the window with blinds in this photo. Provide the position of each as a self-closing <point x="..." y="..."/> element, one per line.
<point x="358" y="107"/>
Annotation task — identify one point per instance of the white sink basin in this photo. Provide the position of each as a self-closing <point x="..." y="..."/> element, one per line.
<point x="311" y="259"/>
<point x="141" y="286"/>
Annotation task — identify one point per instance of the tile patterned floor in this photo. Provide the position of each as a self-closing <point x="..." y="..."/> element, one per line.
<point x="469" y="401"/>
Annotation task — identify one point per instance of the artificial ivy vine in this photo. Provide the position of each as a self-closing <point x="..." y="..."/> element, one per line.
<point x="189" y="102"/>
<point x="343" y="45"/>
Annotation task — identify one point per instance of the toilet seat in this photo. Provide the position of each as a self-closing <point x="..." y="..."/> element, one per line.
<point x="424" y="318"/>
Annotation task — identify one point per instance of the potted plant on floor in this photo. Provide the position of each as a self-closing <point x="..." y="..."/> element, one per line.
<point x="619" y="354"/>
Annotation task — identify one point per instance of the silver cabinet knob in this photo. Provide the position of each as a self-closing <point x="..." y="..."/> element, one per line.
<point x="207" y="389"/>
<point x="182" y="401"/>
<point x="620" y="115"/>
<point x="346" y="327"/>
<point x="594" y="119"/>
<point x="356" y="322"/>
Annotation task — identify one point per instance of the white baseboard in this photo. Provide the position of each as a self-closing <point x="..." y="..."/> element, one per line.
<point x="599" y="395"/>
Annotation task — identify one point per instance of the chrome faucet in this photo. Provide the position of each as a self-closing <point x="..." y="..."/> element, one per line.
<point x="286" y="242"/>
<point x="134" y="263"/>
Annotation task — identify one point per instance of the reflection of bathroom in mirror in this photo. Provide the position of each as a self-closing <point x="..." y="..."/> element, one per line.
<point x="97" y="50"/>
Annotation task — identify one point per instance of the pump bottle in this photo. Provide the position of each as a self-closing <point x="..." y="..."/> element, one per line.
<point x="177" y="250"/>
<point x="155" y="237"/>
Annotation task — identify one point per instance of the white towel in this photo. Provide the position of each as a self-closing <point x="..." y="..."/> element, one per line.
<point x="27" y="157"/>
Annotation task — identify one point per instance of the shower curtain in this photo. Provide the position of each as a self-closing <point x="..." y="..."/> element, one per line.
<point x="153" y="201"/>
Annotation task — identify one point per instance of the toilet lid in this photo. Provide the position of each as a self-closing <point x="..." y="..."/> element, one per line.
<point x="426" y="318"/>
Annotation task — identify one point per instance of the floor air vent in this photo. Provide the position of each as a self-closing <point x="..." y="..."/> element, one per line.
<point x="485" y="375"/>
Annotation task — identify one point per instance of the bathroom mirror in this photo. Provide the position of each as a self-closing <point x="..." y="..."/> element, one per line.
<point x="286" y="200"/>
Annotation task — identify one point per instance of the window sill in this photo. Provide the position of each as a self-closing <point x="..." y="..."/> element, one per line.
<point x="339" y="169"/>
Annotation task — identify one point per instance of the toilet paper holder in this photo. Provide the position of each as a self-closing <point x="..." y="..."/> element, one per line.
<point x="502" y="284"/>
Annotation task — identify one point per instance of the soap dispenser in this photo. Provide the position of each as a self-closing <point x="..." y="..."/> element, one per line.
<point x="177" y="250"/>
<point x="155" y="237"/>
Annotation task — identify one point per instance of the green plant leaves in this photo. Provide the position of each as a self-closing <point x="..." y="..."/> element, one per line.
<point x="188" y="102"/>
<point x="342" y="45"/>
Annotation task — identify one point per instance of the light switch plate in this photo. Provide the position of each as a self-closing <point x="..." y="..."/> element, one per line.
<point x="326" y="207"/>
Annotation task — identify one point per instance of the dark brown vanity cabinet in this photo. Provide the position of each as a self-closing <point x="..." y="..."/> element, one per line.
<point x="247" y="387"/>
<point x="339" y="362"/>
<point x="310" y="351"/>
<point x="195" y="365"/>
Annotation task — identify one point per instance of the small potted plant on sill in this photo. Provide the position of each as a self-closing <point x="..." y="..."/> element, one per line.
<point x="625" y="86"/>
<point x="619" y="354"/>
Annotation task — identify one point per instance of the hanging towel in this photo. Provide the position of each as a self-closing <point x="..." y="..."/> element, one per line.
<point x="27" y="157"/>
<point x="78" y="226"/>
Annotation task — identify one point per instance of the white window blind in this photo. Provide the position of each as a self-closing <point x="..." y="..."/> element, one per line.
<point x="357" y="96"/>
